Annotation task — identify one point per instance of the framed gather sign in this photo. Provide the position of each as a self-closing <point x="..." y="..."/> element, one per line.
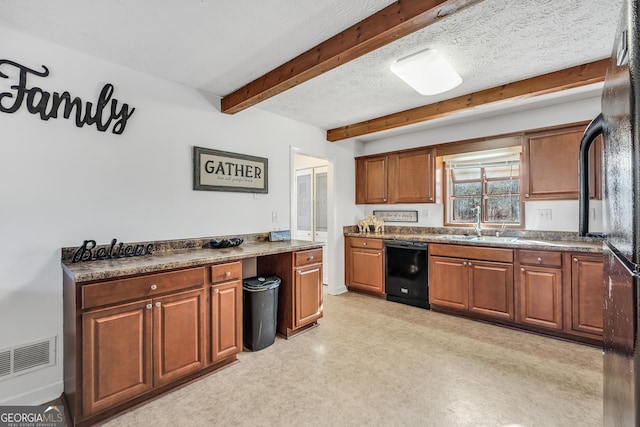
<point x="215" y="170"/>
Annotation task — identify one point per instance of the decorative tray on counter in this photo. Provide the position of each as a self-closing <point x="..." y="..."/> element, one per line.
<point x="223" y="243"/>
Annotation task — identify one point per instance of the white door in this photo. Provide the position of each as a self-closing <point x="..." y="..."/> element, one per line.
<point x="320" y="213"/>
<point x="311" y="208"/>
<point x="304" y="205"/>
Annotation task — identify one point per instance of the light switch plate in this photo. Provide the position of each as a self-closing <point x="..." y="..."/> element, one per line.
<point x="544" y="214"/>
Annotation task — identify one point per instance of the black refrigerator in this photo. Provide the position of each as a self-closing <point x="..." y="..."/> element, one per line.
<point x="619" y="125"/>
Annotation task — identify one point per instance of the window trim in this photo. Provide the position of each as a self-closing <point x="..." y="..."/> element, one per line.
<point x="485" y="225"/>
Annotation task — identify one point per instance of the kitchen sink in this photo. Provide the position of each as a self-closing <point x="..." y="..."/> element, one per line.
<point x="496" y="239"/>
<point x="541" y="242"/>
<point x="457" y="237"/>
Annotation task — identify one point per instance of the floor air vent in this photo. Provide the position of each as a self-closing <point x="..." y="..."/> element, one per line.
<point x="26" y="358"/>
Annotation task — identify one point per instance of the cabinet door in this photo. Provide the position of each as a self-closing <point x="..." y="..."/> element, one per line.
<point x="587" y="294"/>
<point x="540" y="297"/>
<point x="551" y="164"/>
<point x="371" y="180"/>
<point x="178" y="346"/>
<point x="491" y="289"/>
<point x="116" y="355"/>
<point x="366" y="269"/>
<point x="308" y="294"/>
<point x="412" y="177"/>
<point x="448" y="282"/>
<point x="226" y="320"/>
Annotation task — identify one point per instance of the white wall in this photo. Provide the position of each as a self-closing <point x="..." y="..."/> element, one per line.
<point x="564" y="215"/>
<point x="61" y="184"/>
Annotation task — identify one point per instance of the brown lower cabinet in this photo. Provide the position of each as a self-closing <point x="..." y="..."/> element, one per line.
<point x="587" y="294"/>
<point x="550" y="292"/>
<point x="364" y="265"/>
<point x="226" y="310"/>
<point x="117" y="355"/>
<point x="129" y="339"/>
<point x="477" y="280"/>
<point x="300" y="291"/>
<point x="539" y="289"/>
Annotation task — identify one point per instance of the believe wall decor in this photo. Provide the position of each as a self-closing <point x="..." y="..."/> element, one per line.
<point x="89" y="251"/>
<point x="215" y="170"/>
<point x="48" y="105"/>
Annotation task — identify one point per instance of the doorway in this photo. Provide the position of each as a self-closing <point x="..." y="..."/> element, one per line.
<point x="310" y="203"/>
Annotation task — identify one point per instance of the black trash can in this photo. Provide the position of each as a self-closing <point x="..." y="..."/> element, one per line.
<point x="260" y="311"/>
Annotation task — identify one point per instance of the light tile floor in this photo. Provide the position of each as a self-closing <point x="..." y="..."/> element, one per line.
<point x="378" y="363"/>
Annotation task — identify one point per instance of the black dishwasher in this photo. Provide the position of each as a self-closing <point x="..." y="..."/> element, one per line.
<point x="406" y="272"/>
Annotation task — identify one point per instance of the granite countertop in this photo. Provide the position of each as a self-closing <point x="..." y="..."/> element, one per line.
<point x="536" y="240"/>
<point x="174" y="256"/>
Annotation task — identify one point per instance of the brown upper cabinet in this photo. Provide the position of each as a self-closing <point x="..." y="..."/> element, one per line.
<point x="371" y="179"/>
<point x="397" y="177"/>
<point x="550" y="169"/>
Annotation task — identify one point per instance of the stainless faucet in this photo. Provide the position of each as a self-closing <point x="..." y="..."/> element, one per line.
<point x="477" y="225"/>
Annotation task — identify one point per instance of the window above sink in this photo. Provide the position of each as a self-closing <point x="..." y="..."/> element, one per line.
<point x="488" y="180"/>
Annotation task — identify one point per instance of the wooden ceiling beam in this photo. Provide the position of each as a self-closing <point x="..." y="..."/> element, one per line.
<point x="580" y="75"/>
<point x="383" y="27"/>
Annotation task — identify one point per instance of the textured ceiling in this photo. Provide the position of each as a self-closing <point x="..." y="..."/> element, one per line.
<point x="218" y="46"/>
<point x="212" y="45"/>
<point x="492" y="43"/>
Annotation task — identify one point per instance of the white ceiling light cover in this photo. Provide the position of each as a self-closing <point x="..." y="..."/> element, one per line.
<point x="427" y="72"/>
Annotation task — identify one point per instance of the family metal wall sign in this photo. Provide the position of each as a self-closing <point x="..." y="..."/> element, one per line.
<point x="49" y="105"/>
<point x="215" y="170"/>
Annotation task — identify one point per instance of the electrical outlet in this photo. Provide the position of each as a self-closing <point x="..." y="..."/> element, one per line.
<point x="544" y="214"/>
<point x="274" y="216"/>
<point x="592" y="214"/>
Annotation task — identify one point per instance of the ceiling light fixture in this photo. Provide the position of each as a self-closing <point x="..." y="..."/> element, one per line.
<point x="427" y="72"/>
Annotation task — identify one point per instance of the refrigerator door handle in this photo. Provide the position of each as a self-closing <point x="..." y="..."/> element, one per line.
<point x="632" y="269"/>
<point x="595" y="129"/>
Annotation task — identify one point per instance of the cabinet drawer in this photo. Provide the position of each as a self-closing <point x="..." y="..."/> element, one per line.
<point x="312" y="256"/>
<point x="117" y="291"/>
<point x="360" y="242"/>
<point x="552" y="259"/>
<point x="472" y="252"/>
<point x="227" y="271"/>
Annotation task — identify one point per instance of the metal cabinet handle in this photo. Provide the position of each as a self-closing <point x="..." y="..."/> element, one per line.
<point x="464" y="263"/>
<point x="148" y="307"/>
<point x="575" y="260"/>
<point x="228" y="273"/>
<point x="310" y="258"/>
<point x="430" y="198"/>
<point x="521" y="268"/>
<point x="216" y="290"/>
<point x="469" y="264"/>
<point x="526" y="195"/>
<point x="364" y="244"/>
<point x="158" y="304"/>
<point x="539" y="259"/>
<point x="154" y="287"/>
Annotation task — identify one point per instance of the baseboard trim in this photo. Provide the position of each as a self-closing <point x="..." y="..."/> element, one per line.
<point x="340" y="290"/>
<point x="37" y="396"/>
